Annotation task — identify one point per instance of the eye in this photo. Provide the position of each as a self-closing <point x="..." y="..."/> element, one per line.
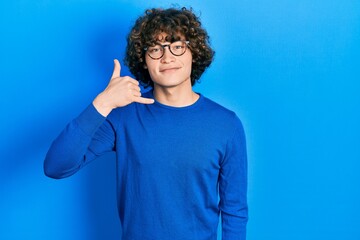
<point x="177" y="45"/>
<point x="154" y="49"/>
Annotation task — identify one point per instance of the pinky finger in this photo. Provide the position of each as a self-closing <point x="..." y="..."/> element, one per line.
<point x="144" y="100"/>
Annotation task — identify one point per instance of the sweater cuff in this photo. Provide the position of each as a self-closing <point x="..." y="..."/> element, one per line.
<point x="90" y="120"/>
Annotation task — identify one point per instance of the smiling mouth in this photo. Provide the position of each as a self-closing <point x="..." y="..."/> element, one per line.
<point x="169" y="70"/>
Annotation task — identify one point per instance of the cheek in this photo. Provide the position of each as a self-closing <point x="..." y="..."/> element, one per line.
<point x="149" y="64"/>
<point x="186" y="60"/>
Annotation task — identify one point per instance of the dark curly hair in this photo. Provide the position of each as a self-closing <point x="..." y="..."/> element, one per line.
<point x="176" y="23"/>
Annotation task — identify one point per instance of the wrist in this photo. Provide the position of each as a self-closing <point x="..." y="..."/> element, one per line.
<point x="102" y="106"/>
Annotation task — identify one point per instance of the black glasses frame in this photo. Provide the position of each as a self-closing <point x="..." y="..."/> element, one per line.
<point x="163" y="46"/>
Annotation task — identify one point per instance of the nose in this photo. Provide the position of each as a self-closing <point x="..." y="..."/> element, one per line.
<point x="168" y="56"/>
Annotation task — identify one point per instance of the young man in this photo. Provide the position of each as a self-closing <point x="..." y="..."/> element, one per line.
<point x="177" y="151"/>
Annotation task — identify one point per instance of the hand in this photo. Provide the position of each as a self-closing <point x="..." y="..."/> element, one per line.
<point x="120" y="92"/>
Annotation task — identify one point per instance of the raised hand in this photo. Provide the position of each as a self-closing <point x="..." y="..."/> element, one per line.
<point x="120" y="92"/>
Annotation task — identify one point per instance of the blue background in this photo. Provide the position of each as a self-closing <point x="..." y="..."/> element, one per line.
<point x="289" y="69"/>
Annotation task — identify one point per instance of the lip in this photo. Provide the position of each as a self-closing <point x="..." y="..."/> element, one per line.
<point x="169" y="69"/>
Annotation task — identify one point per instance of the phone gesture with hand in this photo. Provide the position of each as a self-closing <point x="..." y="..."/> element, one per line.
<point x="120" y="91"/>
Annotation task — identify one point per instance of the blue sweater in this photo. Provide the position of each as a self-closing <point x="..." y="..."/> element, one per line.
<point x="173" y="164"/>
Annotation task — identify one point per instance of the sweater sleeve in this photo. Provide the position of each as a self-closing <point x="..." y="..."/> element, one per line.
<point x="84" y="138"/>
<point x="233" y="188"/>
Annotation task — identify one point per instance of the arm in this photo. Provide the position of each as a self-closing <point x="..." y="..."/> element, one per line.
<point x="91" y="134"/>
<point x="86" y="137"/>
<point x="233" y="188"/>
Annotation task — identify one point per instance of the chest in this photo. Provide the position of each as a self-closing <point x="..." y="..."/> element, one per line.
<point x="172" y="143"/>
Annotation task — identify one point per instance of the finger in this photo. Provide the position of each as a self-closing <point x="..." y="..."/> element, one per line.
<point x="133" y="81"/>
<point x="144" y="100"/>
<point x="135" y="88"/>
<point x="136" y="93"/>
<point x="117" y="69"/>
<point x="130" y="80"/>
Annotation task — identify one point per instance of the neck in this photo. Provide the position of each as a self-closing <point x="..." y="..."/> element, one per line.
<point x="175" y="97"/>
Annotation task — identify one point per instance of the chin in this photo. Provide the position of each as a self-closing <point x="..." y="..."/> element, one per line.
<point x="166" y="85"/>
<point x="172" y="82"/>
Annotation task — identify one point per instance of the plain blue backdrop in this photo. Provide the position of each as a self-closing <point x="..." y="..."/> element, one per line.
<point x="289" y="69"/>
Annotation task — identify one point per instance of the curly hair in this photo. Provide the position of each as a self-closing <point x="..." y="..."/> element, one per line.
<point x="175" y="23"/>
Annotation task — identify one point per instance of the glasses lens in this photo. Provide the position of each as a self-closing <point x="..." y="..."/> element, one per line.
<point x="155" y="51"/>
<point x="178" y="48"/>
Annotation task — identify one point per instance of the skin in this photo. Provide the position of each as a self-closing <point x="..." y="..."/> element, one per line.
<point x="171" y="77"/>
<point x="172" y="84"/>
<point x="120" y="92"/>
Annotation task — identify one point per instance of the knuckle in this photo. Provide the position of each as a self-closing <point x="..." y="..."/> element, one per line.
<point x="125" y="78"/>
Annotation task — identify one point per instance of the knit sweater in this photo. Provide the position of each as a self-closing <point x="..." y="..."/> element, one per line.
<point x="178" y="168"/>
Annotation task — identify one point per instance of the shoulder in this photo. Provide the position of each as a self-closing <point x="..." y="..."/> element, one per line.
<point x="222" y="116"/>
<point x="218" y="111"/>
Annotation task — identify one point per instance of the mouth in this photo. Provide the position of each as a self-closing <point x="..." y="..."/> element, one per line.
<point x="168" y="70"/>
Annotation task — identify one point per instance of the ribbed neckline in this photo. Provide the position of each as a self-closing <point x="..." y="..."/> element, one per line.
<point x="156" y="103"/>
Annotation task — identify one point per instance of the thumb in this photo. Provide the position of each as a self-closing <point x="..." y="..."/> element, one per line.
<point x="117" y="69"/>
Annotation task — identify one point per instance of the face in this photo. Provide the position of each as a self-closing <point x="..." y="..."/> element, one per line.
<point x="170" y="71"/>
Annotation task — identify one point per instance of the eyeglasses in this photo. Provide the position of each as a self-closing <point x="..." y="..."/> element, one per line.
<point x="157" y="51"/>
